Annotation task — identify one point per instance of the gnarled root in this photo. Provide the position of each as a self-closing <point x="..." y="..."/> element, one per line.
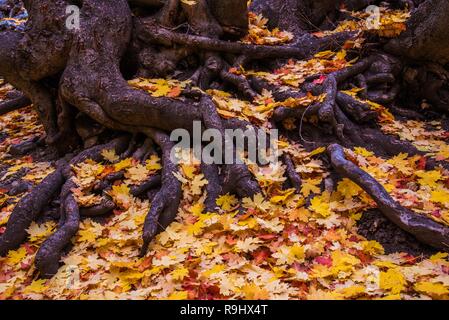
<point x="165" y="204"/>
<point x="423" y="228"/>
<point x="14" y="104"/>
<point x="27" y="210"/>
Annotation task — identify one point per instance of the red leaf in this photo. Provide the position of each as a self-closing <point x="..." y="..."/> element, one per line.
<point x="320" y="80"/>
<point x="267" y="236"/>
<point x="175" y="92"/>
<point x="422" y="163"/>
<point x="325" y="261"/>
<point x="261" y="255"/>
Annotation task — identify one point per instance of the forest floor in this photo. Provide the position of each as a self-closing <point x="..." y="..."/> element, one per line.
<point x="323" y="243"/>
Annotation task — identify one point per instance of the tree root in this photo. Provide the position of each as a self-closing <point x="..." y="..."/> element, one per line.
<point x="423" y="228"/>
<point x="164" y="206"/>
<point x="14" y="104"/>
<point x="27" y="210"/>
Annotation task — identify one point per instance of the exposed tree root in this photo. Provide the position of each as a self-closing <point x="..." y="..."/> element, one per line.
<point x="27" y="210"/>
<point x="423" y="228"/>
<point x="164" y="206"/>
<point x="14" y="104"/>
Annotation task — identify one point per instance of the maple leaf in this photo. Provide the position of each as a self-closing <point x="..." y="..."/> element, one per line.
<point x="247" y="245"/>
<point x="37" y="286"/>
<point x="254" y="292"/>
<point x="86" y="236"/>
<point x="428" y="178"/>
<point x="440" y="196"/>
<point x="189" y="2"/>
<point x="320" y="205"/>
<point x="348" y="188"/>
<point x="432" y="289"/>
<point x="153" y="164"/>
<point x="343" y="262"/>
<point x="227" y="202"/>
<point x="196" y="228"/>
<point x="39" y="232"/>
<point x="16" y="256"/>
<point x="372" y="247"/>
<point x="179" y="295"/>
<point x="121" y="195"/>
<point x="126" y="163"/>
<point x="137" y="174"/>
<point x="179" y="274"/>
<point x="188" y="171"/>
<point x="392" y="280"/>
<point x="401" y="163"/>
<point x="110" y="155"/>
<point x="310" y="186"/>
<point x="363" y="152"/>
<point x="257" y="202"/>
<point x="214" y="270"/>
<point x="275" y="225"/>
<point x="198" y="183"/>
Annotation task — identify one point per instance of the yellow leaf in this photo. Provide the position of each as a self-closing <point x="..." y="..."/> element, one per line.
<point x="255" y="292"/>
<point x="440" y="256"/>
<point x="179" y="274"/>
<point x="137" y="174"/>
<point x="215" y="269"/>
<point x="121" y="195"/>
<point x="432" y="289"/>
<point x="227" y="202"/>
<point x="198" y="183"/>
<point x="37" y="286"/>
<point x="39" y="232"/>
<point x="179" y="295"/>
<point x="154" y="163"/>
<point x="440" y="196"/>
<point x="429" y="178"/>
<point x="123" y="164"/>
<point x="110" y="155"/>
<point x="16" y="256"/>
<point x="258" y="202"/>
<point x="189" y="2"/>
<point x="363" y="152"/>
<point x="310" y="186"/>
<point x="86" y="236"/>
<point x="317" y="151"/>
<point x="373" y="247"/>
<point x="247" y="245"/>
<point x="348" y="188"/>
<point x="392" y="280"/>
<point x="320" y="205"/>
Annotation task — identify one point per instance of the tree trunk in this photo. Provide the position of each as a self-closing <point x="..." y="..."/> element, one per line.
<point x="427" y="37"/>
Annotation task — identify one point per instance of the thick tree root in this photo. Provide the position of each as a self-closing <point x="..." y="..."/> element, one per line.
<point x="50" y="252"/>
<point x="14" y="104"/>
<point x="423" y="228"/>
<point x="28" y="209"/>
<point x="164" y="206"/>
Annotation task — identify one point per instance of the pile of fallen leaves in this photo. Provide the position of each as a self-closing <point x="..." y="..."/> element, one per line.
<point x="259" y="33"/>
<point x="281" y="248"/>
<point x="284" y="246"/>
<point x="388" y="23"/>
